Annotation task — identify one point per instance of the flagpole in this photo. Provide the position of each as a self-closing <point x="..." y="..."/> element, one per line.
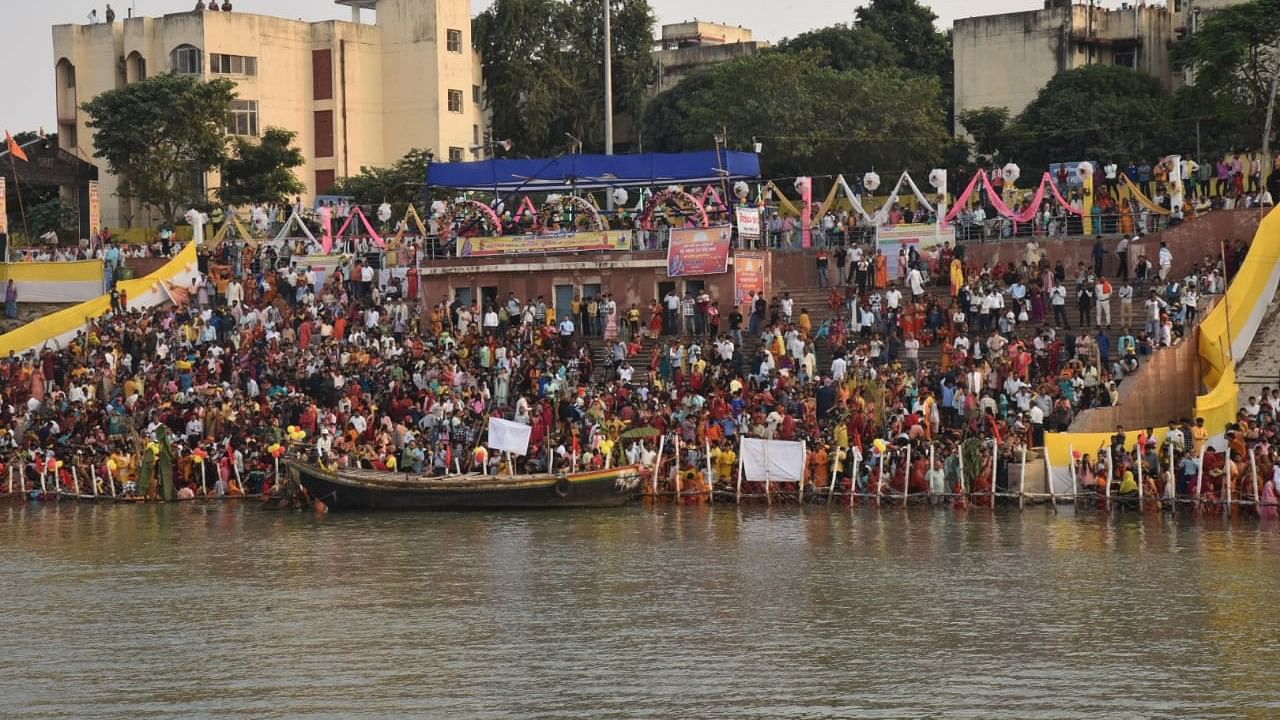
<point x="17" y="186"/>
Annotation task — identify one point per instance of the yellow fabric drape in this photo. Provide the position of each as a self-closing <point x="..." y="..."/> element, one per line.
<point x="1136" y="193"/>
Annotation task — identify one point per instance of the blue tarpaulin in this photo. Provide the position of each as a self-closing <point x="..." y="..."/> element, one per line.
<point x="587" y="172"/>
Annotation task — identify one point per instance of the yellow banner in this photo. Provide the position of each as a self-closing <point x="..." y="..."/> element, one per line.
<point x="539" y="244"/>
<point x="53" y="272"/>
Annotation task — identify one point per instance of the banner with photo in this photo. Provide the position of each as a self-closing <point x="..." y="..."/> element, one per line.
<point x="748" y="222"/>
<point x="698" y="251"/>
<point x="748" y="276"/>
<point x="482" y="246"/>
<point x="95" y="209"/>
<point x="925" y="237"/>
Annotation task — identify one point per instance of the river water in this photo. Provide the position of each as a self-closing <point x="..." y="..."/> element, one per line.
<point x="220" y="611"/>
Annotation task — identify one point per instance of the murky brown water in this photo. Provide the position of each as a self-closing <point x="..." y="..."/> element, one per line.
<point x="228" y="611"/>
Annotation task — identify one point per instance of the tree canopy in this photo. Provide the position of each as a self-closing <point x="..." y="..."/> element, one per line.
<point x="160" y="135"/>
<point x="1234" y="52"/>
<point x="845" y="48"/>
<point x="1094" y="112"/>
<point x="399" y="184"/>
<point x="812" y="119"/>
<point x="910" y="27"/>
<point x="543" y="65"/>
<point x="262" y="171"/>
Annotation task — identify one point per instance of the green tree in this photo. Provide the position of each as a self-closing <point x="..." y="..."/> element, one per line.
<point x="543" y="65"/>
<point x="1233" y="53"/>
<point x="845" y="48"/>
<point x="161" y="135"/>
<point x="1097" y="112"/>
<point x="812" y="119"/>
<point x="399" y="184"/>
<point x="56" y="215"/>
<point x="262" y="171"/>
<point x="910" y="27"/>
<point x="987" y="126"/>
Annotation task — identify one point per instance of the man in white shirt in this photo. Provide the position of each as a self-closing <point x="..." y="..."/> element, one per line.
<point x="1109" y="172"/>
<point x="1102" y="303"/>
<point x="839" y="369"/>
<point x="1166" y="260"/>
<point x="916" y="282"/>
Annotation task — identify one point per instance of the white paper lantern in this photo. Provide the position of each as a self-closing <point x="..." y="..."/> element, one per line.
<point x="554" y="199"/>
<point x="938" y="179"/>
<point x="871" y="181"/>
<point x="1011" y="173"/>
<point x="802" y="185"/>
<point x="438" y="207"/>
<point x="1084" y="170"/>
<point x="384" y="212"/>
<point x="741" y="190"/>
<point x="620" y="196"/>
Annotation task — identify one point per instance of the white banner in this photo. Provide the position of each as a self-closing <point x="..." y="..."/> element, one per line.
<point x="508" y="436"/>
<point x="748" y="223"/>
<point x="772" y="460"/>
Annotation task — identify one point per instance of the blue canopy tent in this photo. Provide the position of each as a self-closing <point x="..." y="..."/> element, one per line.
<point x="593" y="172"/>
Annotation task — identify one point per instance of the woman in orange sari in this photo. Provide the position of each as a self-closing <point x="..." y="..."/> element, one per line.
<point x="1126" y="219"/>
<point x="882" y="270"/>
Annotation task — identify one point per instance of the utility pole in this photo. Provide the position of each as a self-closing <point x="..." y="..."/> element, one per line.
<point x="608" y="78"/>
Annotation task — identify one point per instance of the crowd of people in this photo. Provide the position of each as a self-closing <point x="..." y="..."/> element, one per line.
<point x="204" y="395"/>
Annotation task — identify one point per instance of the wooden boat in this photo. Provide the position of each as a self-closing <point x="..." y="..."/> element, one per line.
<point x="381" y="490"/>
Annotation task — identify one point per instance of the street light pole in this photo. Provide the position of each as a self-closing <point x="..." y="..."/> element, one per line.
<point x="608" y="79"/>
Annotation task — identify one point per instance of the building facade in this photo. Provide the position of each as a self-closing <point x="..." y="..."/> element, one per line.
<point x="357" y="93"/>
<point x="685" y="47"/>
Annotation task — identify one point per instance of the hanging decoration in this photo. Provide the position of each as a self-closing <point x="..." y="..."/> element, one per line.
<point x="620" y="196"/>
<point x="1011" y="173"/>
<point x="1027" y="214"/>
<point x="681" y="202"/>
<point x="938" y="180"/>
<point x="871" y="181"/>
<point x="384" y="212"/>
<point x="564" y="210"/>
<point x="741" y="190"/>
<point x="358" y="214"/>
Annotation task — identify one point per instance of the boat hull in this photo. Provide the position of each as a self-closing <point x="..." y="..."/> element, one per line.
<point x="388" y="491"/>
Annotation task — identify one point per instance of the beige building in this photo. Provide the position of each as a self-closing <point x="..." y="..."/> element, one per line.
<point x="1004" y="60"/>
<point x="357" y="93"/>
<point x="685" y="47"/>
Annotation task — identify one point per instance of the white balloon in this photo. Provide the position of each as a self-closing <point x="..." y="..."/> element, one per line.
<point x="620" y="196"/>
<point x="1085" y="169"/>
<point x="938" y="179"/>
<point x="384" y="212"/>
<point x="1011" y="173"/>
<point x="871" y="181"/>
<point x="802" y="185"/>
<point x="741" y="190"/>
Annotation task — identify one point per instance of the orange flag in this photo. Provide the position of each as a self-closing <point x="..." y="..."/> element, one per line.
<point x="14" y="150"/>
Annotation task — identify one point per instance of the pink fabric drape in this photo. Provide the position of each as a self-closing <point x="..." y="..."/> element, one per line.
<point x="326" y="220"/>
<point x="373" y="234"/>
<point x="964" y="198"/>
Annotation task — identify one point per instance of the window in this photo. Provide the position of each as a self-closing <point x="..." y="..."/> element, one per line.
<point x="186" y="60"/>
<point x="324" y="133"/>
<point x="455" y="154"/>
<point x="475" y="134"/>
<point x="66" y="73"/>
<point x="322" y="74"/>
<point x="1124" y="59"/>
<point x="324" y="181"/>
<point x="455" y="101"/>
<point x="232" y="64"/>
<point x="244" y="118"/>
<point x="475" y="94"/>
<point x="454" y="40"/>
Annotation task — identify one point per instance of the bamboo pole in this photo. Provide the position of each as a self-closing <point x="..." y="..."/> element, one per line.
<point x="1139" y="479"/>
<point x="804" y="453"/>
<point x="711" y="485"/>
<point x="204" y="487"/>
<point x="880" y="483"/>
<point x="906" y="478"/>
<point x="964" y="489"/>
<point x="22" y="478"/>
<point x="930" y="490"/>
<point x="111" y="484"/>
<point x="93" y="479"/>
<point x="1226" y="485"/>
<point x="737" y="493"/>
<point x="995" y="472"/>
<point x="1048" y="469"/>
<point x="1253" y="469"/>
<point x="75" y="479"/>
<point x="1171" y="492"/>
<point x="835" y="470"/>
<point x="10" y="478"/>
<point x="1022" y="479"/>
<point x="1075" y="492"/>
<point x="657" y="464"/>
<point x="1200" y="475"/>
<point x="678" y="483"/>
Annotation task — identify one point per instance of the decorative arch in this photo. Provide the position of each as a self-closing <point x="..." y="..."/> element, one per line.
<point x="557" y="204"/>
<point x="467" y="209"/>
<point x="679" y="200"/>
